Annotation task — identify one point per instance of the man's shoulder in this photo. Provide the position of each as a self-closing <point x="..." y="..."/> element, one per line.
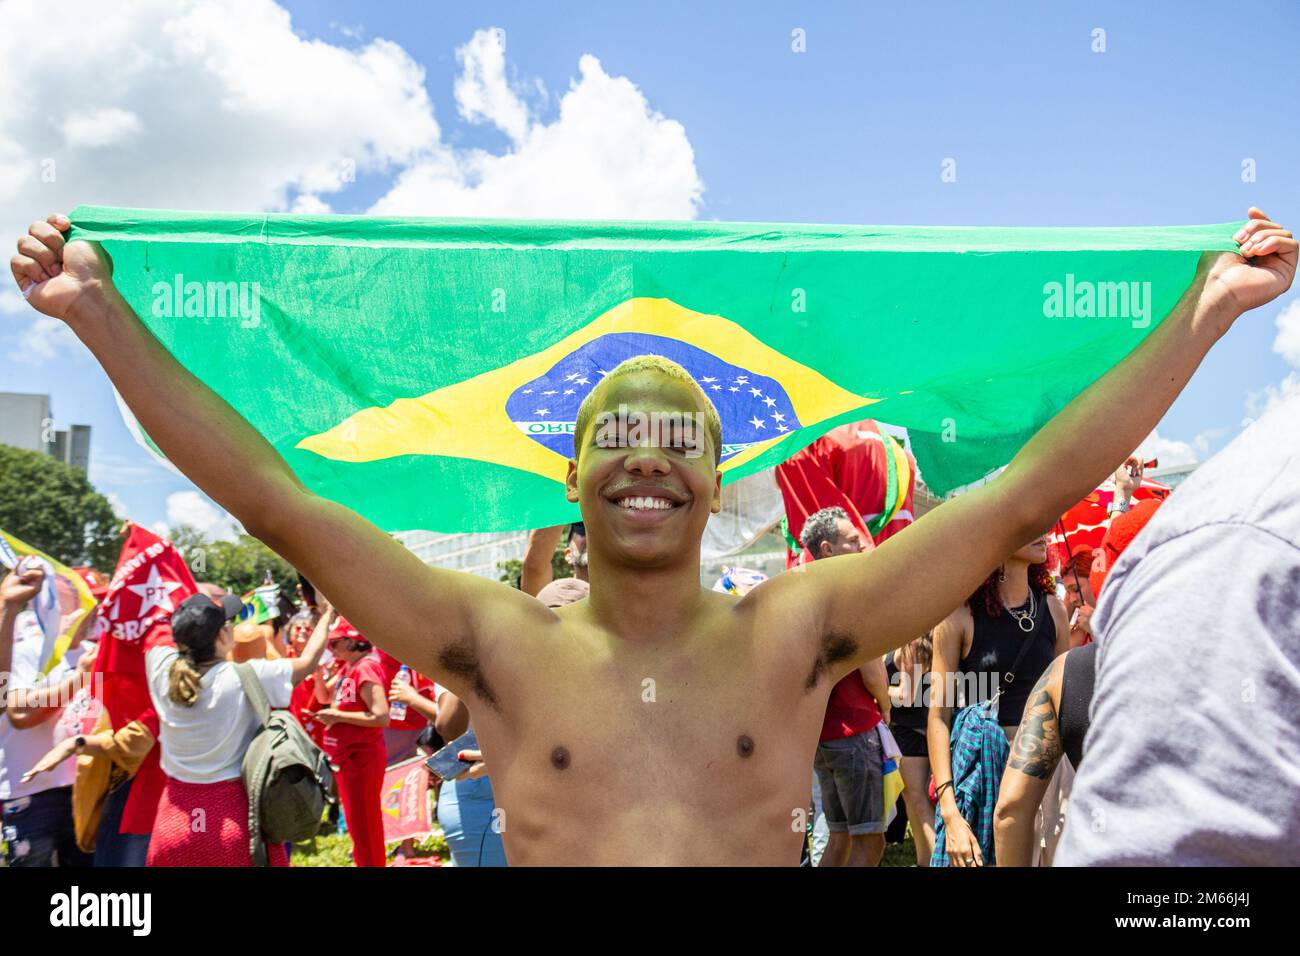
<point x="1255" y="480"/>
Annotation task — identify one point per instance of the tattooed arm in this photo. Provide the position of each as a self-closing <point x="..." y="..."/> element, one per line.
<point x="1034" y="756"/>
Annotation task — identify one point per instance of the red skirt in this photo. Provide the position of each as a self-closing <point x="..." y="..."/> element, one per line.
<point x="205" y="824"/>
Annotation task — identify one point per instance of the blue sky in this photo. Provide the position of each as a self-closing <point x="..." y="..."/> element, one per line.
<point x="1044" y="131"/>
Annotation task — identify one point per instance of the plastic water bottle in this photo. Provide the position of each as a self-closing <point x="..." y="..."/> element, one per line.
<point x="397" y="709"/>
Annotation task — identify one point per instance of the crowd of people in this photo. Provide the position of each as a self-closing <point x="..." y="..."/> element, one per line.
<point x="364" y="708"/>
<point x="628" y="715"/>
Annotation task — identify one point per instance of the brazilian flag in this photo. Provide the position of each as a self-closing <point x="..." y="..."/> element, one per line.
<point x="427" y="372"/>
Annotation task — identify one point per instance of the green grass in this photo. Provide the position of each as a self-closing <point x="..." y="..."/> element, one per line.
<point x="900" y="854"/>
<point x="331" y="848"/>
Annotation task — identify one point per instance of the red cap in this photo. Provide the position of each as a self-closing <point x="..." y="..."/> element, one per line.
<point x="343" y="628"/>
<point x="1123" y="529"/>
<point x="97" y="583"/>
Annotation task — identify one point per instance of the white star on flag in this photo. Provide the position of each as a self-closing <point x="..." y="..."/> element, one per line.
<point x="769" y="401"/>
<point x="756" y="392"/>
<point x="155" y="592"/>
<point x="758" y="422"/>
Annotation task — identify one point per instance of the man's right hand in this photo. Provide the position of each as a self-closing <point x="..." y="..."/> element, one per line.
<point x="54" y="277"/>
<point x="21" y="585"/>
<point x="1128" y="477"/>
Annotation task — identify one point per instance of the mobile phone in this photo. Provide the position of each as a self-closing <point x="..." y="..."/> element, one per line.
<point x="1074" y="617"/>
<point x="446" y="764"/>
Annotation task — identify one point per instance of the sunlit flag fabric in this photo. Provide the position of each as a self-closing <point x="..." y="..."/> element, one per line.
<point x="427" y="372"/>
<point x="62" y="604"/>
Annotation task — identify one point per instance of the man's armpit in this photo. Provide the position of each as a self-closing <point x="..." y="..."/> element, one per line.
<point x="461" y="660"/>
<point x="834" y="649"/>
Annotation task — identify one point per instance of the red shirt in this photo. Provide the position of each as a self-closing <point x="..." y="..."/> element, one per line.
<point x="347" y="698"/>
<point x="414" y="720"/>
<point x="303" y="699"/>
<point x="851" y="709"/>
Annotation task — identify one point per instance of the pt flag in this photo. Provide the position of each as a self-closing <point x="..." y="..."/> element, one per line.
<point x="427" y="372"/>
<point x="406" y="801"/>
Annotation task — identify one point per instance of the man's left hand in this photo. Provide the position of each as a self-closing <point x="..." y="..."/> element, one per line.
<point x="1263" y="269"/>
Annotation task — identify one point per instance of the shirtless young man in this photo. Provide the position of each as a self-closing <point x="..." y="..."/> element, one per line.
<point x="592" y="763"/>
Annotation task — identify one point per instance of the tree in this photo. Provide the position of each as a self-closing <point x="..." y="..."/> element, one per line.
<point x="238" y="566"/>
<point x="513" y="568"/>
<point x="54" y="507"/>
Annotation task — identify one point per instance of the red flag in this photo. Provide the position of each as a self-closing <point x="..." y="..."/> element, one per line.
<point x="1083" y="526"/>
<point x="406" y="801"/>
<point x="847" y="468"/>
<point x="150" y="582"/>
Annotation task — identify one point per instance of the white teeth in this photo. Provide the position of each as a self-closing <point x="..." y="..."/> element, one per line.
<point x="644" y="503"/>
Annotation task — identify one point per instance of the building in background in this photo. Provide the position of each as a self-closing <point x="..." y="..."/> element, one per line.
<point x="26" y="421"/>
<point x="1173" y="475"/>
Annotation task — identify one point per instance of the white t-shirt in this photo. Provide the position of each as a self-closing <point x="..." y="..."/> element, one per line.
<point x="206" y="743"/>
<point x="1193" y="755"/>
<point x="20" y="749"/>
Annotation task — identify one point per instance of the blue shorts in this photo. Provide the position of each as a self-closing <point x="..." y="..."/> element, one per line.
<point x="851" y="774"/>
<point x="465" y="813"/>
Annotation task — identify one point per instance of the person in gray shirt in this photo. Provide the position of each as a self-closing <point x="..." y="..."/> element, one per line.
<point x="1193" y="756"/>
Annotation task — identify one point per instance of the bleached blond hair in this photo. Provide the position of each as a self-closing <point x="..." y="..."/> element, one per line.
<point x="664" y="366"/>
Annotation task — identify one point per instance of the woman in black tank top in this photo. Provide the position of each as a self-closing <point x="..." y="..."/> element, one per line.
<point x="999" y="642"/>
<point x="1027" y="635"/>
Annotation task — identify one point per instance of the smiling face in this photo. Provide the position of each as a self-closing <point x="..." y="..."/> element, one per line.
<point x="645" y="494"/>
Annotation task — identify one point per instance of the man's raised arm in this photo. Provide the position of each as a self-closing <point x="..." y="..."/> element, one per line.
<point x="417" y="613"/>
<point x="885" y="598"/>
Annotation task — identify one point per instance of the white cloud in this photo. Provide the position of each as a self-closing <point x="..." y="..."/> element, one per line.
<point x="192" y="105"/>
<point x="1168" y="451"/>
<point x="118" y="505"/>
<point x="1287" y="343"/>
<point x="482" y="92"/>
<point x="308" y="204"/>
<point x="44" y="339"/>
<point x="11" y="300"/>
<point x="607" y="155"/>
<point x="96" y="128"/>
<point x="193" y="509"/>
<point x="1261" y="401"/>
<point x="109" y="468"/>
